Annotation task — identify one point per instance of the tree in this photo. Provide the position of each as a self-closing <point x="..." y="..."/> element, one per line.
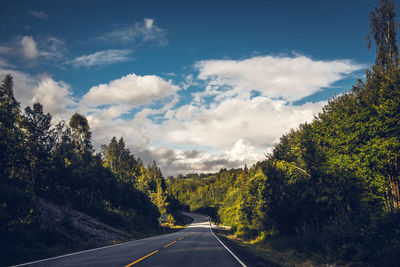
<point x="157" y="177"/>
<point x="10" y="135"/>
<point x="383" y="30"/>
<point x="81" y="135"/>
<point x="39" y="141"/>
<point x="111" y="154"/>
<point x="120" y="160"/>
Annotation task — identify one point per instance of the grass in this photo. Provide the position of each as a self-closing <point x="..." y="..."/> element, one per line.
<point x="267" y="253"/>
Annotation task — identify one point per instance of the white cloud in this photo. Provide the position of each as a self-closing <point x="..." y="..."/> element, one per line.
<point x="49" y="48"/>
<point x="29" y="49"/>
<point x="38" y="14"/>
<point x="185" y="112"/>
<point x="229" y="134"/>
<point x="145" y="31"/>
<point x="148" y="23"/>
<point x="56" y="97"/>
<point x="288" y="78"/>
<point x="245" y="152"/>
<point x="102" y="58"/>
<point x="258" y="121"/>
<point x="131" y="89"/>
<point x="188" y="82"/>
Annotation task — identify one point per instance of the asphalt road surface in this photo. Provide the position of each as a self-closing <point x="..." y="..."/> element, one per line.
<point x="193" y="246"/>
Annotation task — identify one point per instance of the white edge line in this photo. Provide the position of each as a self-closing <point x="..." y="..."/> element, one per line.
<point x="89" y="250"/>
<point x="236" y="257"/>
<point x="75" y="253"/>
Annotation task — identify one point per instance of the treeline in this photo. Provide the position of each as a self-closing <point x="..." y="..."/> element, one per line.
<point x="330" y="188"/>
<point x="40" y="159"/>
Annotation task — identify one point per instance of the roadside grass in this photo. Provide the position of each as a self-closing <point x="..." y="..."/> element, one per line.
<point x="267" y="253"/>
<point x="181" y="222"/>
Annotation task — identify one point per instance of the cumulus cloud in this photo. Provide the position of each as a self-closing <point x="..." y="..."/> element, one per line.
<point x="50" y="48"/>
<point x="287" y="78"/>
<point x="229" y="134"/>
<point x="259" y="121"/>
<point x="145" y="31"/>
<point x="131" y="89"/>
<point x="102" y="58"/>
<point x="29" y="49"/>
<point x="56" y="97"/>
<point x="245" y="152"/>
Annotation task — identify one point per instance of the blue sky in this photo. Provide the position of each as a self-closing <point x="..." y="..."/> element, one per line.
<point x="195" y="85"/>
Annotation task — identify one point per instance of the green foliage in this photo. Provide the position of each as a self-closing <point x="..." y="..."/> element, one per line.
<point x="120" y="160"/>
<point x="11" y="152"/>
<point x="57" y="163"/>
<point x="38" y="143"/>
<point x="81" y="136"/>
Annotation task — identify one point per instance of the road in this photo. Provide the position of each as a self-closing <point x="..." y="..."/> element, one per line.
<point x="193" y="246"/>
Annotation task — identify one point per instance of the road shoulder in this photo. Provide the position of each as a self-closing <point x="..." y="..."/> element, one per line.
<point x="245" y="253"/>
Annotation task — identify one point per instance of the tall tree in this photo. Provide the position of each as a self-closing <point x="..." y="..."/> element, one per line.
<point x="111" y="154"/>
<point x="10" y="134"/>
<point x="383" y="30"/>
<point x="81" y="135"/>
<point x="157" y="176"/>
<point x="39" y="141"/>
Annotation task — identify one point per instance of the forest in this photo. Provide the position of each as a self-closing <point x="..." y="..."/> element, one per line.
<point x="330" y="188"/>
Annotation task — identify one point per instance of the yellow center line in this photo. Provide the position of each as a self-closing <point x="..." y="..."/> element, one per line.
<point x="169" y="244"/>
<point x="148" y="255"/>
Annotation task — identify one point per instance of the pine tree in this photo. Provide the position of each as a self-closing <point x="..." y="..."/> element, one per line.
<point x="10" y="134"/>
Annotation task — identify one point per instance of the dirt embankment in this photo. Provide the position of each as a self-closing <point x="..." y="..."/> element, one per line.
<point x="77" y="226"/>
